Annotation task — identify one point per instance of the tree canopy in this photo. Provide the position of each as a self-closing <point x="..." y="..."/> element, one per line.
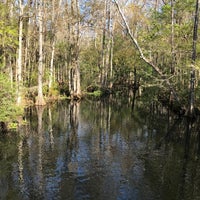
<point x="69" y="46"/>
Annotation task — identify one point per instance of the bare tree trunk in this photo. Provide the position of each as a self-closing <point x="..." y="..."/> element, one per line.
<point x="52" y="46"/>
<point x="11" y="70"/>
<point x="103" y="50"/>
<point x="74" y="71"/>
<point x="51" y="70"/>
<point x="19" y="61"/>
<point x="40" y="99"/>
<point x="194" y="55"/>
<point x="53" y="43"/>
<point x="106" y="45"/>
<point x="172" y="39"/>
<point x="111" y="59"/>
<point x="27" y="58"/>
<point x="111" y="28"/>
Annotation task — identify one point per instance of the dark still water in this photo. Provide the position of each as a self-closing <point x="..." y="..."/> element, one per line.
<point x="101" y="151"/>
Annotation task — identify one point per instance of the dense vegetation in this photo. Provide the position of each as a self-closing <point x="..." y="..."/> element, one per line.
<point x="52" y="48"/>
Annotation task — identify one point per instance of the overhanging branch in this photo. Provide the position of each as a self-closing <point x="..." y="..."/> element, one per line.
<point x="146" y="60"/>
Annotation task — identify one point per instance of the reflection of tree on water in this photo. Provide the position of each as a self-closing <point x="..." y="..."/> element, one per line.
<point x="50" y="128"/>
<point x="185" y="159"/>
<point x="53" y="152"/>
<point x="198" y="139"/>
<point x="171" y="128"/>
<point x="8" y="151"/>
<point x="20" y="165"/>
<point x="190" y="176"/>
<point x="39" y="167"/>
<point x="178" y="168"/>
<point x="72" y="137"/>
<point x="99" y="150"/>
<point x="30" y="175"/>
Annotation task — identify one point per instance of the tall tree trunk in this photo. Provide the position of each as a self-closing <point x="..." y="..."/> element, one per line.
<point x="74" y="71"/>
<point x="51" y="70"/>
<point x="172" y="39"/>
<point x="40" y="99"/>
<point x="52" y="46"/>
<point x="103" y="50"/>
<point x="55" y="16"/>
<point x="192" y="74"/>
<point x="111" y="46"/>
<point x="106" y="44"/>
<point x="19" y="61"/>
<point x="111" y="58"/>
<point x="11" y="70"/>
<point x="27" y="56"/>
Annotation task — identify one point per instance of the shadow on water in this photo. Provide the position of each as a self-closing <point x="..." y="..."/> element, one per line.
<point x="101" y="150"/>
<point x="190" y="179"/>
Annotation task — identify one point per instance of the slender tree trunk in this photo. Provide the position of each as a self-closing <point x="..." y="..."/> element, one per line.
<point x="106" y="44"/>
<point x="40" y="99"/>
<point x="74" y="71"/>
<point x="194" y="55"/>
<point x="103" y="50"/>
<point x="27" y="58"/>
<point x="11" y="70"/>
<point x="111" y="28"/>
<point x="55" y="16"/>
<point x="51" y="70"/>
<point x="52" y="64"/>
<point x="19" y="61"/>
<point x="172" y="39"/>
<point x="109" y="45"/>
<point x="111" y="59"/>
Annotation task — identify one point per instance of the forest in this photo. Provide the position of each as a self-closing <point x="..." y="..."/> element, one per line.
<point x="71" y="48"/>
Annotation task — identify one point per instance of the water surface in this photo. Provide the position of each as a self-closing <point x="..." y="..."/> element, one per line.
<point x="101" y="150"/>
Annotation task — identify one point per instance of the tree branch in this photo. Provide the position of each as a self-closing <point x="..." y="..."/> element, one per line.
<point x="147" y="61"/>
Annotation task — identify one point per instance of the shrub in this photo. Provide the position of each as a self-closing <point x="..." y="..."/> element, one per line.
<point x="8" y="109"/>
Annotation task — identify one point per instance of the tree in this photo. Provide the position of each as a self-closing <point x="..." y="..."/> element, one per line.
<point x="142" y="56"/>
<point x="56" y="11"/>
<point x="74" y="71"/>
<point x="19" y="61"/>
<point x="172" y="70"/>
<point x="194" y="55"/>
<point x="8" y="40"/>
<point x="40" y="99"/>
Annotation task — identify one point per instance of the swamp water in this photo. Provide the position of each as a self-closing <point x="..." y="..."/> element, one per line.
<point x="101" y="151"/>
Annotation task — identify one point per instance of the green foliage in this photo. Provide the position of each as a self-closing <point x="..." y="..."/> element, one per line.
<point x="125" y="59"/>
<point x="96" y="93"/>
<point x="157" y="40"/>
<point x="125" y="55"/>
<point x="8" y="109"/>
<point x="90" y="58"/>
<point x="8" y="34"/>
<point x="54" y="90"/>
<point x="159" y="34"/>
